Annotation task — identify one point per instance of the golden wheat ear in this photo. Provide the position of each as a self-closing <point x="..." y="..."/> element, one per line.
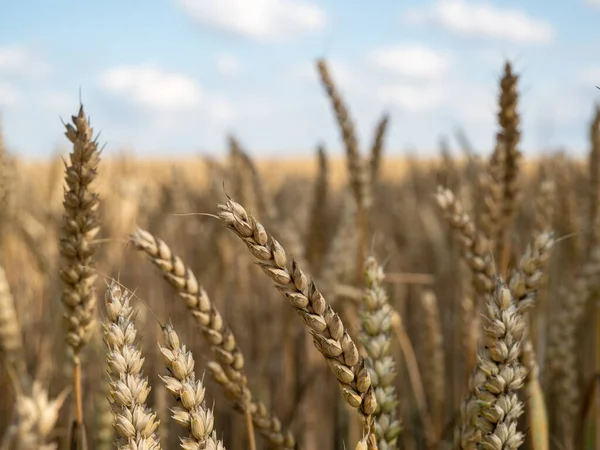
<point x="134" y="422"/>
<point x="181" y="382"/>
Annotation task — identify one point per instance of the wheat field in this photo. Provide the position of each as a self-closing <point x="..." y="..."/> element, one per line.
<point x="370" y="302"/>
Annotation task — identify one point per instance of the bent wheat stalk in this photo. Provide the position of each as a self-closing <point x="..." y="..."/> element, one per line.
<point x="327" y="329"/>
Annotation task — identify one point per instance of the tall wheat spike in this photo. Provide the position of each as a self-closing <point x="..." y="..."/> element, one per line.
<point x="80" y="227"/>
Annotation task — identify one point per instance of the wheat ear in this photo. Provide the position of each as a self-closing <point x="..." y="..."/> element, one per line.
<point x="133" y="421"/>
<point x="475" y="247"/>
<point x="326" y="327"/>
<point x="189" y="393"/>
<point x="376" y="329"/>
<point x="377" y="146"/>
<point x="509" y="137"/>
<point x="228" y="370"/>
<point x="475" y="250"/>
<point x="34" y="421"/>
<point x="490" y="413"/>
<point x="358" y="172"/>
<point x="561" y="356"/>
<point x="526" y="281"/>
<point x="433" y="367"/>
<point x="11" y="339"/>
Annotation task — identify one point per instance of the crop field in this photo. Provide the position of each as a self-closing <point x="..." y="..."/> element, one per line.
<point x="242" y="303"/>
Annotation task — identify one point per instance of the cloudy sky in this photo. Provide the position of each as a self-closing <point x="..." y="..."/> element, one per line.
<point x="172" y="77"/>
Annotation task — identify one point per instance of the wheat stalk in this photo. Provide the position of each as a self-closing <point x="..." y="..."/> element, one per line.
<point x="80" y="226"/>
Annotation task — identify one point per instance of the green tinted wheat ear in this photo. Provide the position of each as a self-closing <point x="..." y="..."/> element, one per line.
<point x="80" y="227"/>
<point x="133" y="421"/>
<point x="327" y="329"/>
<point x="181" y="382"/>
<point x="490" y="413"/>
<point x="376" y="332"/>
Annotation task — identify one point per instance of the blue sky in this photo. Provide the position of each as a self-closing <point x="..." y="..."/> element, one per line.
<point x="173" y="77"/>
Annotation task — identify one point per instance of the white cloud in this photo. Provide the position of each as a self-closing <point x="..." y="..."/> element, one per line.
<point x="13" y="59"/>
<point x="411" y="97"/>
<point x="471" y="103"/>
<point x="590" y="75"/>
<point x="263" y="20"/>
<point x="8" y="94"/>
<point x="222" y="110"/>
<point x="482" y="19"/>
<point x="227" y="65"/>
<point x="58" y="101"/>
<point x="151" y="86"/>
<point x="17" y="60"/>
<point x="411" y="60"/>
